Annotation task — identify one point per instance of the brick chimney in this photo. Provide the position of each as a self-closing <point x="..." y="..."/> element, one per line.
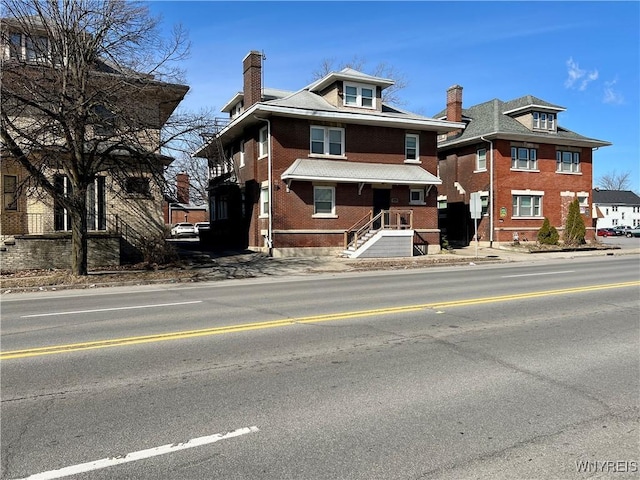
<point x="454" y="103"/>
<point x="252" y="73"/>
<point x="182" y="187"/>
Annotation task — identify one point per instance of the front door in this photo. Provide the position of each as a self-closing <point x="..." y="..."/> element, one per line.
<point x="381" y="201"/>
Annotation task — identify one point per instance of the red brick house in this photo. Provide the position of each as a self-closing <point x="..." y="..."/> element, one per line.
<point x="523" y="164"/>
<point x="181" y="209"/>
<point x="324" y="168"/>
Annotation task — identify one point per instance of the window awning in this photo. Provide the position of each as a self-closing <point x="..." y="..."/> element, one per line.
<point x="339" y="171"/>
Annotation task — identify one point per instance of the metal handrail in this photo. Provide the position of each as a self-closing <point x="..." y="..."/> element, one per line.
<point x="389" y="219"/>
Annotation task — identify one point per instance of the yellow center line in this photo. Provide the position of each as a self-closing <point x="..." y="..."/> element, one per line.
<point x="116" y="342"/>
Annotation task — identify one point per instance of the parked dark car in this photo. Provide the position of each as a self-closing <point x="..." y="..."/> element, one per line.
<point x="621" y="230"/>
<point x="606" y="232"/>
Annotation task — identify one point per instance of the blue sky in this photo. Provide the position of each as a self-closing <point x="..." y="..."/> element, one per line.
<point x="584" y="56"/>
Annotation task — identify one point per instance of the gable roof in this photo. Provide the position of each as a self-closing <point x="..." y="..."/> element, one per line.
<point x="491" y="120"/>
<point x="615" y="197"/>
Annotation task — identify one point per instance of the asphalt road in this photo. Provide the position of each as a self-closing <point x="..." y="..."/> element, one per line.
<point x="500" y="371"/>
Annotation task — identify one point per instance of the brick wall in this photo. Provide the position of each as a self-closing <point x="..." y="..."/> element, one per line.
<point x="461" y="166"/>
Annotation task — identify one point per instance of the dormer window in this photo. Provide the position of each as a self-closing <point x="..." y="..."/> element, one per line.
<point x="357" y="95"/>
<point x="544" y="121"/>
<point x="237" y="109"/>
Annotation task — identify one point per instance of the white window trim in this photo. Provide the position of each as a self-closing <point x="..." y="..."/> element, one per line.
<point x="264" y="199"/>
<point x="559" y="162"/>
<point x="412" y="160"/>
<point x="326" y="146"/>
<point x="527" y="193"/>
<point x="529" y="161"/>
<point x="421" y="200"/>
<point x="242" y="157"/>
<point x="359" y="87"/>
<point x="333" y="202"/>
<point x="484" y="194"/>
<point x="478" y="168"/>
<point x="263" y="146"/>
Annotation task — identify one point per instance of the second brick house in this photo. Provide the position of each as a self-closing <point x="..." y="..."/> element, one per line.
<point x="523" y="165"/>
<point x="318" y="170"/>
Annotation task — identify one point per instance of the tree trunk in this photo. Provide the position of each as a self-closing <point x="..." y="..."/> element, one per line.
<point x="79" y="236"/>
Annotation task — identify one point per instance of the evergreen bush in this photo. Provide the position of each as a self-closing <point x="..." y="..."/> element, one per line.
<point x="575" y="230"/>
<point x="548" y="234"/>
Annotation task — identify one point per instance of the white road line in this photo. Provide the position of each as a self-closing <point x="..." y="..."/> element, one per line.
<point x="110" y="309"/>
<point x="536" y="274"/>
<point x="139" y="455"/>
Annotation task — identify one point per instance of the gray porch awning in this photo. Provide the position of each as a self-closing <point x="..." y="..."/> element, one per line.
<point x="339" y="171"/>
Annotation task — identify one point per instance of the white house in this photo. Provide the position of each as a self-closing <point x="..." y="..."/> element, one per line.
<point x="618" y="207"/>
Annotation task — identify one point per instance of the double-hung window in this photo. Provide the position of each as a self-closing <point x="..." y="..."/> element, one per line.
<point x="481" y="159"/>
<point x="264" y="201"/>
<point x="524" y="158"/>
<point x="324" y="201"/>
<point x="527" y="205"/>
<point x="356" y="95"/>
<point x="327" y="140"/>
<point x="263" y="142"/>
<point x="544" y="121"/>
<point x="10" y="192"/>
<point x="412" y="147"/>
<point x="568" y="162"/>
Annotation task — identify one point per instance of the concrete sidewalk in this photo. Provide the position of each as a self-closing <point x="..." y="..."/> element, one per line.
<point x="200" y="266"/>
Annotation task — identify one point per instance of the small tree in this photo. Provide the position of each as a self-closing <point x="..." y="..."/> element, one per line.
<point x="548" y="234"/>
<point x="615" y="181"/>
<point x="574" y="231"/>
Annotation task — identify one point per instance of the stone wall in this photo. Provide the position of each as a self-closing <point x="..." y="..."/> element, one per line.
<point x="29" y="252"/>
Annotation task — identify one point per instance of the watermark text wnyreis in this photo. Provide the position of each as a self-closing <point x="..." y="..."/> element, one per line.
<point x="606" y="466"/>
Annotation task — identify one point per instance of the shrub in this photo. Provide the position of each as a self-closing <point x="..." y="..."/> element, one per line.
<point x="156" y="251"/>
<point x="575" y="230"/>
<point x="548" y="234"/>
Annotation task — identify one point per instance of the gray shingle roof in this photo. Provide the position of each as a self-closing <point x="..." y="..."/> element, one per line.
<point x="489" y="118"/>
<point x="615" y="197"/>
<point x="526" y="101"/>
<point x="306" y="100"/>
<point x="310" y="169"/>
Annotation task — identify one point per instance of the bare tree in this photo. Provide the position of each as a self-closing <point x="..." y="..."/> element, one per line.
<point x="615" y="181"/>
<point x="89" y="86"/>
<point x="390" y="95"/>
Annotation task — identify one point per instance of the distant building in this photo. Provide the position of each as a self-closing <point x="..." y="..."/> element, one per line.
<point x="619" y="208"/>
<point x="180" y="209"/>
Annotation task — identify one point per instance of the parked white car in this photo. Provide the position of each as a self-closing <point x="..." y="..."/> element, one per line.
<point x="183" y="230"/>
<point x="201" y="226"/>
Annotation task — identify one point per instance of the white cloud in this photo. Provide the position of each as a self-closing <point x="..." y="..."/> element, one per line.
<point x="575" y="73"/>
<point x="611" y="96"/>
<point x="590" y="78"/>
